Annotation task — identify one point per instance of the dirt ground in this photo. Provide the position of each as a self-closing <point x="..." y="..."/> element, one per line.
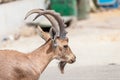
<point x="83" y="73"/>
<point x="96" y="43"/>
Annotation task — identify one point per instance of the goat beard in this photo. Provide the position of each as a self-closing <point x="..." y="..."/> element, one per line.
<point x="61" y="66"/>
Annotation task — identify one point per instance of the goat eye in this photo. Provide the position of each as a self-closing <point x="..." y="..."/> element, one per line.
<point x="65" y="46"/>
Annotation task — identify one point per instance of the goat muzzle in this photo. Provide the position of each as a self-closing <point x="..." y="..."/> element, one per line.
<point x="71" y="59"/>
<point x="62" y="64"/>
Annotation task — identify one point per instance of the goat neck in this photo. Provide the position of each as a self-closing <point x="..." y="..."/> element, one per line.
<point x="42" y="56"/>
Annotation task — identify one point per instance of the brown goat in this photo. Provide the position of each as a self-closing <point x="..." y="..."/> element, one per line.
<point x="15" y="65"/>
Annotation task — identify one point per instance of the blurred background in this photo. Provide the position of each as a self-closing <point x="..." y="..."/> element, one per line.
<point x="93" y="29"/>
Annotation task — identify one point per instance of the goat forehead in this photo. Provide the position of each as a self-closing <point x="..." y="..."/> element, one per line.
<point x="63" y="42"/>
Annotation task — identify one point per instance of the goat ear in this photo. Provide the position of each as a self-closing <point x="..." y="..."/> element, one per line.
<point x="51" y="46"/>
<point x="49" y="49"/>
<point x="43" y="35"/>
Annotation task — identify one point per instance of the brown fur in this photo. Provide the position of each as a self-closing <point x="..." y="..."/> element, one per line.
<point x="18" y="66"/>
<point x="15" y="65"/>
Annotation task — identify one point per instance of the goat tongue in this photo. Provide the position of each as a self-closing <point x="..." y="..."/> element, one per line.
<point x="61" y="66"/>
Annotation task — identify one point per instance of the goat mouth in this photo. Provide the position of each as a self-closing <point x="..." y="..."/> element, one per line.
<point x="71" y="61"/>
<point x="62" y="64"/>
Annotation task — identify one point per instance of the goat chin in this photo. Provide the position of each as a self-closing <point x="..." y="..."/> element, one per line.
<point x="61" y="66"/>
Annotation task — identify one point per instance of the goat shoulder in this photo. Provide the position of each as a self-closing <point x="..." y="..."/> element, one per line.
<point x="16" y="66"/>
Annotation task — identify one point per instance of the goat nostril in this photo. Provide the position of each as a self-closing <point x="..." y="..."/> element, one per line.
<point x="72" y="60"/>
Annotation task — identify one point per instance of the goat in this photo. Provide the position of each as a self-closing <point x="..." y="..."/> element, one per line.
<point x="15" y="65"/>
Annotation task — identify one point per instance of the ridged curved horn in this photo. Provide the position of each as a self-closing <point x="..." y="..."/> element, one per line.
<point x="57" y="17"/>
<point x="60" y="22"/>
<point x="50" y="18"/>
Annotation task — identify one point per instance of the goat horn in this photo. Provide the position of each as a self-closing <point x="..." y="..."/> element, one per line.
<point x="57" y="17"/>
<point x="51" y="19"/>
<point x="60" y="22"/>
